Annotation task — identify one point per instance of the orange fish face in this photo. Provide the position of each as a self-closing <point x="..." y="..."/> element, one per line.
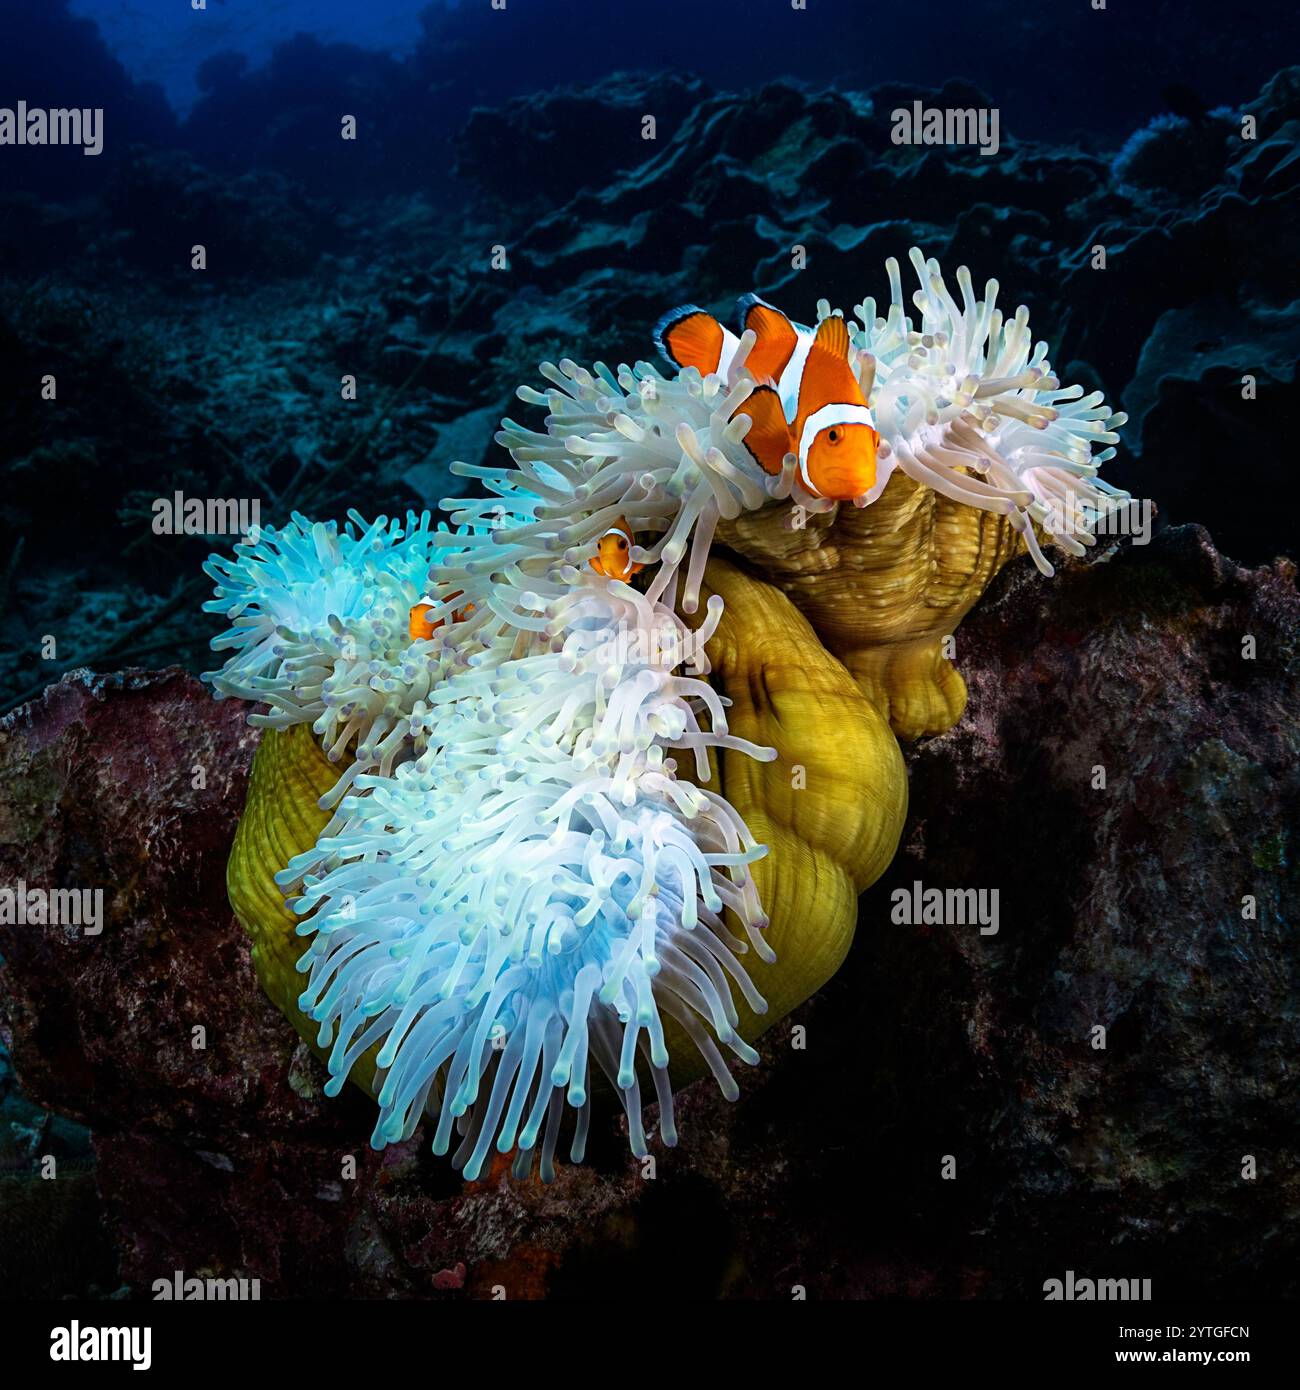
<point x="842" y="461"/>
<point x="613" y="556"/>
<point x="419" y="626"/>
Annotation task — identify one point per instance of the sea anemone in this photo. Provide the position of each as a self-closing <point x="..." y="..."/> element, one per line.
<point x="530" y="876"/>
<point x="319" y="631"/>
<point x="971" y="408"/>
<point x="994" y="457"/>
<point x="536" y="887"/>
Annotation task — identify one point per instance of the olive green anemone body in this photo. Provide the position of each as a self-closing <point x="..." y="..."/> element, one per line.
<point x="883" y="587"/>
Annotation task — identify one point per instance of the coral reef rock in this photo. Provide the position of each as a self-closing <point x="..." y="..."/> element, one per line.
<point x="1124" y="906"/>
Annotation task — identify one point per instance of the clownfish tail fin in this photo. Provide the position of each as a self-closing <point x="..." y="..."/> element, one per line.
<point x="688" y="337"/>
<point x="768" y="439"/>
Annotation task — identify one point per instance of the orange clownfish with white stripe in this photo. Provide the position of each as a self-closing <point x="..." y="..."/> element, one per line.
<point x="419" y="626"/>
<point x="613" y="557"/>
<point x="808" y="402"/>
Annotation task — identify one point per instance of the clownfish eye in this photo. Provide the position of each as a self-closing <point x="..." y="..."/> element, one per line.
<point x="833" y="436"/>
<point x="622" y="544"/>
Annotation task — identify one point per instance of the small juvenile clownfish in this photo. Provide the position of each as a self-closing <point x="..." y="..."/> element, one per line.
<point x="808" y="402"/>
<point x="419" y="626"/>
<point x="613" y="556"/>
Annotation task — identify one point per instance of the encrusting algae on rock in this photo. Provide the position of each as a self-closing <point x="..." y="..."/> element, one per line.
<point x="603" y="822"/>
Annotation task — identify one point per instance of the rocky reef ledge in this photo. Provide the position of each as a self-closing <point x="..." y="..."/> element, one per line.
<point x="1124" y="906"/>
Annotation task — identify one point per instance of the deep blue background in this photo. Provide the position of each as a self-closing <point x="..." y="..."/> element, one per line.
<point x="1054" y="69"/>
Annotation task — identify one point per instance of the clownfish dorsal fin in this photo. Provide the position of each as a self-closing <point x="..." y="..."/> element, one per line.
<point x="768" y="440"/>
<point x="833" y="336"/>
<point x="827" y="377"/>
<point x="776" y="337"/>
<point x="688" y="337"/>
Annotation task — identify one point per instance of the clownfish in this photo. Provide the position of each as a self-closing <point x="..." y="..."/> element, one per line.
<point x="808" y="402"/>
<point x="613" y="556"/>
<point x="419" y="626"/>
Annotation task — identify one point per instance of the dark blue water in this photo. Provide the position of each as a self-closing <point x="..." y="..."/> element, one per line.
<point x="1054" y="69"/>
<point x="166" y="41"/>
<point x="1057" y="62"/>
